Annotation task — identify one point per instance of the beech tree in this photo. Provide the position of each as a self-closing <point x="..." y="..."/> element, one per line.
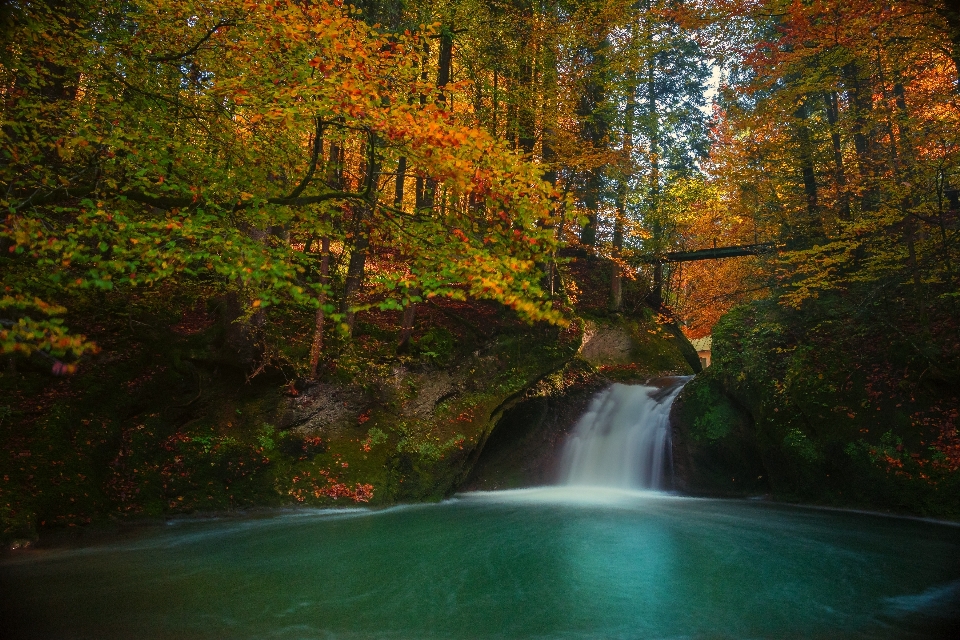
<point x="264" y="143"/>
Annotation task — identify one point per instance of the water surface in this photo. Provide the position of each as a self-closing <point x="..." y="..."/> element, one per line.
<point x="536" y="563"/>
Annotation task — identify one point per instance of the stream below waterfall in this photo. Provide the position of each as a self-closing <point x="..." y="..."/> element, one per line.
<point x="571" y="561"/>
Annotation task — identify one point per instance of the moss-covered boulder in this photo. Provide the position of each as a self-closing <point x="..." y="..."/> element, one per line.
<point x="836" y="412"/>
<point x="714" y="445"/>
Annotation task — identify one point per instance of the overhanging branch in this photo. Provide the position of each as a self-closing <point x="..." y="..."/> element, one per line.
<point x="171" y="202"/>
<point x="173" y="57"/>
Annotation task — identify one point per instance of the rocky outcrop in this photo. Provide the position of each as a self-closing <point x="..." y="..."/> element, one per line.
<point x="606" y="344"/>
<point x="528" y="440"/>
<point x="321" y="408"/>
<point x="170" y="425"/>
<point x="715" y="452"/>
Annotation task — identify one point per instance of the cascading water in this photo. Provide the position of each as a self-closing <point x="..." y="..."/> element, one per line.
<point x="623" y="439"/>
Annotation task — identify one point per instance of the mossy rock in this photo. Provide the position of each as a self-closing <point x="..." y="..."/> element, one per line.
<point x="635" y="349"/>
<point x="715" y="451"/>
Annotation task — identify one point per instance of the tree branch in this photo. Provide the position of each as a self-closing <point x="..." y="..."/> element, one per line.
<point x="189" y="52"/>
<point x="317" y="146"/>
<point x="170" y="202"/>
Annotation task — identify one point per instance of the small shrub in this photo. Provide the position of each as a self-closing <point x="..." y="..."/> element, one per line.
<point x="797" y="442"/>
<point x="436" y="344"/>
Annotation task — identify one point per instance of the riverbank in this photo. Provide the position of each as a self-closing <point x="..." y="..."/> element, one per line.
<point x="794" y="407"/>
<point x="167" y="418"/>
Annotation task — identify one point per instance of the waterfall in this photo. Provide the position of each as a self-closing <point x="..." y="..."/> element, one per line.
<point x="623" y="439"/>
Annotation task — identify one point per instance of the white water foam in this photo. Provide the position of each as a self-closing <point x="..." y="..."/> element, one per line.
<point x="571" y="496"/>
<point x="623" y="439"/>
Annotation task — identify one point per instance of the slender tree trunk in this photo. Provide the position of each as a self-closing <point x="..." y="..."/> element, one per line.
<point x="355" y="273"/>
<point x="425" y="193"/>
<point x="861" y="102"/>
<point x="656" y="300"/>
<point x="813" y="226"/>
<point x="495" y="99"/>
<point x="548" y="155"/>
<point x="889" y="125"/>
<point x="478" y="87"/>
<point x="401" y="178"/>
<point x="595" y="128"/>
<point x="616" y="277"/>
<point x="903" y="121"/>
<point x="358" y="256"/>
<point x="406" y="323"/>
<point x="903" y="168"/>
<point x="316" y="349"/>
<point x="335" y="167"/>
<point x="426" y="189"/>
<point x="419" y="185"/>
<point x="428" y="194"/>
<point x="654" y="210"/>
<point x="510" y="124"/>
<point x="833" y="117"/>
<point x="445" y="62"/>
<point x="526" y="125"/>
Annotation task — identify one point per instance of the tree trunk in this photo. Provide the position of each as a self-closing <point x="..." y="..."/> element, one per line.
<point x="903" y="126"/>
<point x="653" y="120"/>
<point x="355" y="273"/>
<point x="861" y="103"/>
<point x="833" y="116"/>
<point x="426" y="188"/>
<point x="526" y="125"/>
<point x="813" y="227"/>
<point x="335" y="167"/>
<point x="616" y="278"/>
<point x="358" y="255"/>
<point x="316" y="349"/>
<point x="594" y="128"/>
<point x="406" y="323"/>
<point x="401" y="178"/>
<point x="656" y="297"/>
<point x="548" y="111"/>
<point x="445" y="63"/>
<point x="496" y="102"/>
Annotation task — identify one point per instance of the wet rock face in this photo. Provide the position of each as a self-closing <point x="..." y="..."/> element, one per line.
<point x="527" y="443"/>
<point x="715" y="450"/>
<point x="431" y="390"/>
<point x="324" y="408"/>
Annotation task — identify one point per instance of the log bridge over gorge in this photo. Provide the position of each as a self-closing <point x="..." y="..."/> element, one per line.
<point x="716" y="253"/>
